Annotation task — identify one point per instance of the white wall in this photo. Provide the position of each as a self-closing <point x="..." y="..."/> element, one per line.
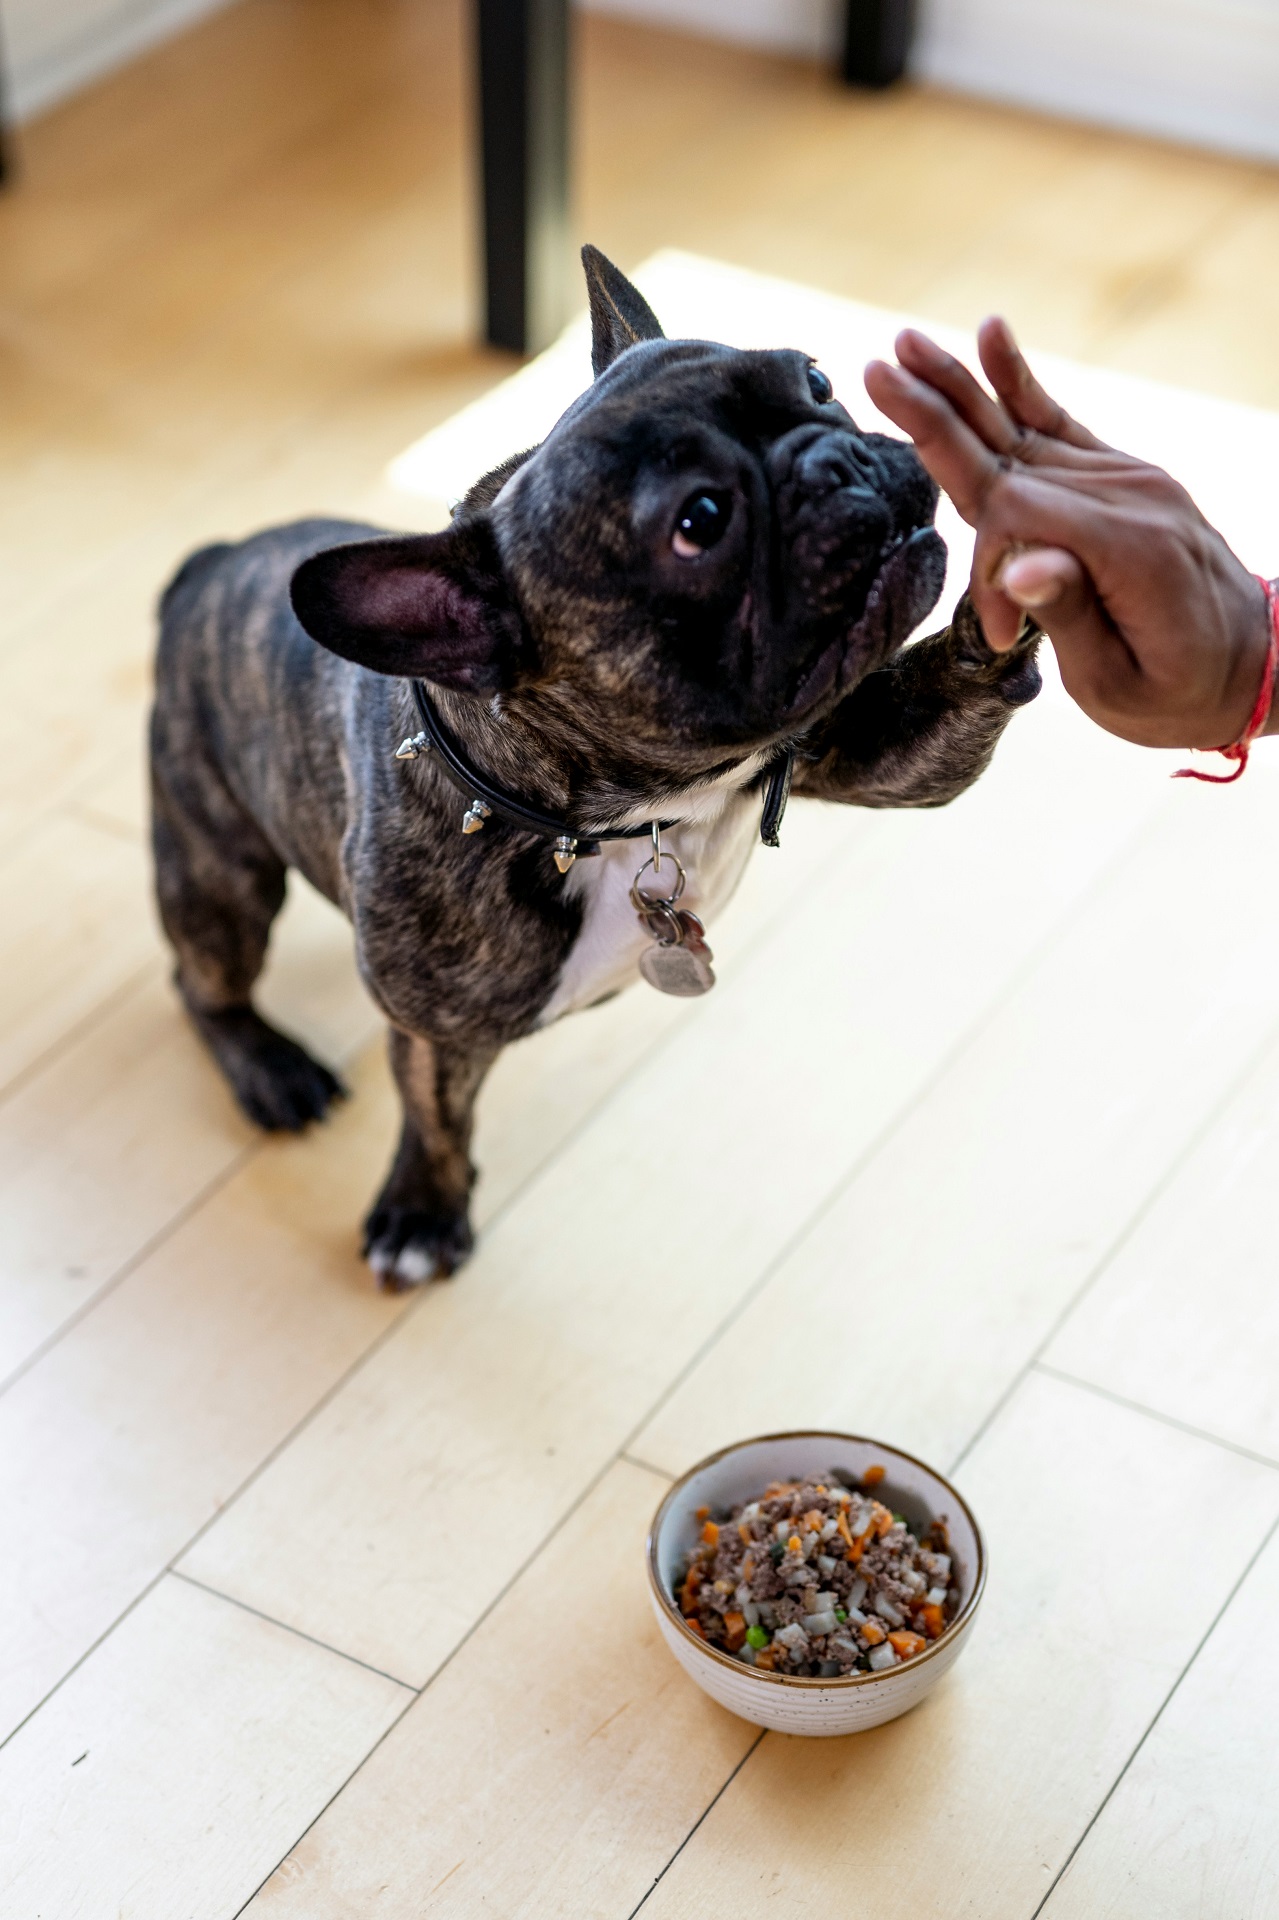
<point x="1199" y="70"/>
<point x="51" y="47"/>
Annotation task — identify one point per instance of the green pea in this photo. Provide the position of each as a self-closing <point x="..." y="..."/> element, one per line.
<point x="840" y="1614"/>
<point x="756" y="1637"/>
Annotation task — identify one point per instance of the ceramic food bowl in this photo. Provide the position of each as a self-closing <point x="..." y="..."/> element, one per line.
<point x="790" y="1704"/>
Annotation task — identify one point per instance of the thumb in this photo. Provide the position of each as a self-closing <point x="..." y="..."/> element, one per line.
<point x="1092" y="654"/>
<point x="1049" y="583"/>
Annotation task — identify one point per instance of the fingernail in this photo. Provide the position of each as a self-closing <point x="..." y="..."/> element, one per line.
<point x="1038" y="596"/>
<point x="1039" y="590"/>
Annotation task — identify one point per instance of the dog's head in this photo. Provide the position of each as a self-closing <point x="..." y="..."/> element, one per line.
<point x="699" y="560"/>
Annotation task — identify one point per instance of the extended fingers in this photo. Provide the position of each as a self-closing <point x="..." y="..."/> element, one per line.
<point x="927" y="361"/>
<point x="1022" y="396"/>
<point x="957" y="458"/>
<point x="1032" y="429"/>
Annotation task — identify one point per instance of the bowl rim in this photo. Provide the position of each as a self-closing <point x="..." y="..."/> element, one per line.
<point x="822" y="1683"/>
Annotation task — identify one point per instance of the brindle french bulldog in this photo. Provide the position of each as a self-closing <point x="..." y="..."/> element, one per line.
<point x="704" y="564"/>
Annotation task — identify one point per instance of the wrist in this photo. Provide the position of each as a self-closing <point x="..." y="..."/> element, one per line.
<point x="1270" y="630"/>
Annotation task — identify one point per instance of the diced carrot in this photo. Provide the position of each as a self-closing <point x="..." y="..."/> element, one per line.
<point x="795" y="1544"/>
<point x="696" y="1627"/>
<point x="814" y="1521"/>
<point x="873" y="1476"/>
<point x="935" y="1622"/>
<point x="688" y="1593"/>
<point x="881" y="1518"/>
<point x="872" y="1631"/>
<point x="859" y="1546"/>
<point x="748" y="1568"/>
<point x="841" y="1521"/>
<point x="765" y="1658"/>
<point x="822" y="1490"/>
<point x="703" y="1513"/>
<point x="735" y="1628"/>
<point x="744" y="1532"/>
<point x="907" y="1644"/>
<point x="710" y="1533"/>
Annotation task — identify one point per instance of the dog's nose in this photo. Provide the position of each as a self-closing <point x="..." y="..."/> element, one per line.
<point x="827" y="462"/>
<point x="814" y="460"/>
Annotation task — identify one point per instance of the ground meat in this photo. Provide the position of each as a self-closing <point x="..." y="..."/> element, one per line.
<point x="818" y="1579"/>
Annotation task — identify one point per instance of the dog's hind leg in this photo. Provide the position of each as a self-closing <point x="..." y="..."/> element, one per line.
<point x="220" y="884"/>
<point x="418" y="1228"/>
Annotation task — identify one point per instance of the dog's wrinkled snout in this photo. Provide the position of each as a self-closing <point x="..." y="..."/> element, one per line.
<point x="833" y="521"/>
<point x="815" y="461"/>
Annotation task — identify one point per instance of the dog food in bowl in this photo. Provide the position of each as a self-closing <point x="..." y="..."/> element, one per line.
<point x="818" y="1579"/>
<point x="782" y="1696"/>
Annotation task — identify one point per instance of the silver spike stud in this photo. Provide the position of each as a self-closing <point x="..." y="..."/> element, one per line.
<point x="564" y="852"/>
<point x="475" y="816"/>
<point x="409" y="749"/>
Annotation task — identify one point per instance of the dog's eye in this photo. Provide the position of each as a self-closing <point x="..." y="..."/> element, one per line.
<point x="819" y="386"/>
<point x="702" y="523"/>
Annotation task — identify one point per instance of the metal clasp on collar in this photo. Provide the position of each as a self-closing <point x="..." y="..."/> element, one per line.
<point x="564" y="851"/>
<point x="415" y="744"/>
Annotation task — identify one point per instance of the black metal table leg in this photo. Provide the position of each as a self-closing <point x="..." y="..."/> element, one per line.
<point x="523" y="94"/>
<point x="6" y="148"/>
<point x="877" y="40"/>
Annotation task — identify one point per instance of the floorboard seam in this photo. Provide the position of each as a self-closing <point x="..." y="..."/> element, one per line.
<point x="1139" y="1214"/>
<point x="312" y="1639"/>
<point x="447" y="1661"/>
<point x="1015" y="979"/>
<point x="704" y="1815"/>
<point x="171" y="1226"/>
<point x="1154" y="1413"/>
<point x="77" y="1030"/>
<point x="633" y="1460"/>
<point x="1164" y="1704"/>
<point x="80" y="1659"/>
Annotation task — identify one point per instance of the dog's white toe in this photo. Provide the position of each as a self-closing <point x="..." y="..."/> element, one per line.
<point x="415" y="1266"/>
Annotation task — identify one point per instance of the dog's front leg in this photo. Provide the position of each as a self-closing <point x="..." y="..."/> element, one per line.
<point x="921" y="729"/>
<point x="419" y="1227"/>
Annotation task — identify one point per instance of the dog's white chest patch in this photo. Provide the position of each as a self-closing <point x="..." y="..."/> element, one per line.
<point x="605" y="955"/>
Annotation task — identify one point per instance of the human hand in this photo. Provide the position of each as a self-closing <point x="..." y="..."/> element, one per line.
<point x="1161" y="633"/>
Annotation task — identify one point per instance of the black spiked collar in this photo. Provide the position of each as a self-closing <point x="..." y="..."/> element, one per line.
<point x="488" y="801"/>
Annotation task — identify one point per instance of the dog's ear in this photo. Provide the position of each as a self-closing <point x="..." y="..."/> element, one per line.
<point x="620" y="315"/>
<point x="433" y="606"/>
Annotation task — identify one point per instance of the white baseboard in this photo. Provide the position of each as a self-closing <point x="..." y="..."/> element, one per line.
<point x="54" y="47"/>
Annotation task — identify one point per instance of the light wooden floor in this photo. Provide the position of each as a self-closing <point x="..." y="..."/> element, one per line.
<point x="972" y="1147"/>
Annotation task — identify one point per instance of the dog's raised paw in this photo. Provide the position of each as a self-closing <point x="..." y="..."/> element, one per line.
<point x="407" y="1247"/>
<point x="1021" y="682"/>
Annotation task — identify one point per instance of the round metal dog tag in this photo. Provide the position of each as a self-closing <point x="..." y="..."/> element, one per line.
<point x="678" y="970"/>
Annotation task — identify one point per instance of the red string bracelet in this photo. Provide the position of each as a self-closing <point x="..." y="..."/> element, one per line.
<point x="1239" y="749"/>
